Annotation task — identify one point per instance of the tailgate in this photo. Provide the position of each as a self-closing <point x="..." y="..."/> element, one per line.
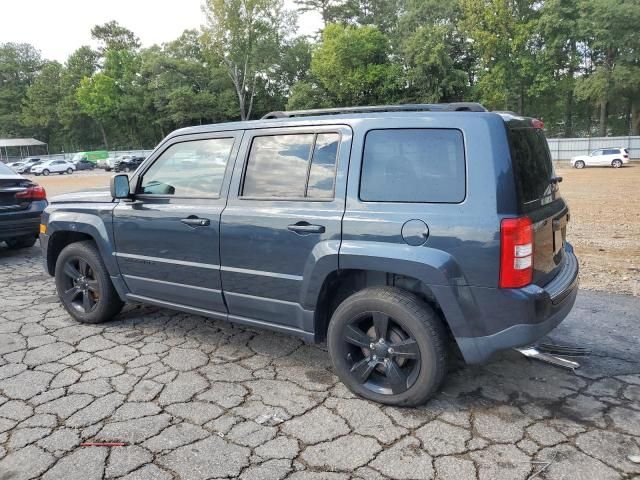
<point x="539" y="198"/>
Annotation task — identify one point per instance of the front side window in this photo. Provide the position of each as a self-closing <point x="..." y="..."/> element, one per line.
<point x="413" y="165"/>
<point x="292" y="166"/>
<point x="189" y="169"/>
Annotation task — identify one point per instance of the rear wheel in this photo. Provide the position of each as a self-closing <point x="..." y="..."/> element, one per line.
<point x="84" y="287"/>
<point x="21" y="242"/>
<point x="579" y="164"/>
<point x="389" y="346"/>
<point x="616" y="163"/>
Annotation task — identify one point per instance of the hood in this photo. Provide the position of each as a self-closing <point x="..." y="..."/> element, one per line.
<point x="99" y="196"/>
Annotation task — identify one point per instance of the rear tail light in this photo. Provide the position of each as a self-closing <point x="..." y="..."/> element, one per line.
<point x="516" y="252"/>
<point x="537" y="123"/>
<point x="625" y="156"/>
<point x="36" y="192"/>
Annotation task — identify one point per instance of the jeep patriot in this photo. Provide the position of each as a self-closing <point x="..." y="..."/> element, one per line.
<point x="396" y="234"/>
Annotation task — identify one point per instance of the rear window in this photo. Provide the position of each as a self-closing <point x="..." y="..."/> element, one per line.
<point x="532" y="165"/>
<point x="413" y="165"/>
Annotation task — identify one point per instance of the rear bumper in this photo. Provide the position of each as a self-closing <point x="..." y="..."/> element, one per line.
<point x="21" y="223"/>
<point x="537" y="311"/>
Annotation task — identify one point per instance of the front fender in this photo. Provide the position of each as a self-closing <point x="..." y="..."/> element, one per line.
<point x="96" y="224"/>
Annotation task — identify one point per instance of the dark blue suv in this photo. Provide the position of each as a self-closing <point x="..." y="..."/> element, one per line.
<point x="394" y="233"/>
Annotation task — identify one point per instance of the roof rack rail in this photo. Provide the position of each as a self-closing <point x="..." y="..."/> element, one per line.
<point x="409" y="107"/>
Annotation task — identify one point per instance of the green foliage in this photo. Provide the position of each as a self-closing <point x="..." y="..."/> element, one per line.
<point x="352" y="66"/>
<point x="244" y="38"/>
<point x="573" y="63"/>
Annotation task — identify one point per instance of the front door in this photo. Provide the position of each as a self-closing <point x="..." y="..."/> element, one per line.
<point x="282" y="219"/>
<point x="167" y="237"/>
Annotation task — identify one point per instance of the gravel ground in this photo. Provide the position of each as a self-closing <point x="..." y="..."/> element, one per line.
<point x="194" y="398"/>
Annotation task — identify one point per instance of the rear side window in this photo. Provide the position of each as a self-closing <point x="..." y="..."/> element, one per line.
<point x="532" y="165"/>
<point x="413" y="165"/>
<point x="292" y="166"/>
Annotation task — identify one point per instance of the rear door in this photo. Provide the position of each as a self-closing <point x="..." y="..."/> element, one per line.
<point x="539" y="198"/>
<point x="283" y="214"/>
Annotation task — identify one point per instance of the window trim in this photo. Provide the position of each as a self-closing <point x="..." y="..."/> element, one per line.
<point x="313" y="131"/>
<point x="232" y="134"/>
<point x="464" y="165"/>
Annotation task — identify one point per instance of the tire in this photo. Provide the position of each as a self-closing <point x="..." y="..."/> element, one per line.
<point x="107" y="169"/>
<point x="84" y="287"/>
<point x="579" y="164"/>
<point x="21" y="242"/>
<point x="127" y="169"/>
<point x="69" y="170"/>
<point x="418" y="362"/>
<point x="616" y="163"/>
<point x="45" y="172"/>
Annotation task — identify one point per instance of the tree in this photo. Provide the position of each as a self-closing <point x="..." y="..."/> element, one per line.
<point x="559" y="61"/>
<point x="40" y="105"/>
<point x="97" y="96"/>
<point x="113" y="36"/>
<point x="352" y="66"/>
<point x="244" y="37"/>
<point x="502" y="35"/>
<point x="439" y="62"/>
<point x="611" y="44"/>
<point x="20" y="64"/>
<point x="328" y="9"/>
<point x="78" y="128"/>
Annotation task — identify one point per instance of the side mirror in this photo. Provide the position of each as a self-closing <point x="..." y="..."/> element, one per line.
<point x="120" y="186"/>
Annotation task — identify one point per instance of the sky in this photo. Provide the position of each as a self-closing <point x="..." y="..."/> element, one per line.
<point x="58" y="27"/>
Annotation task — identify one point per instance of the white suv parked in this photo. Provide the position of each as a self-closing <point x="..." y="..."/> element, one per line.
<point x="614" y="157"/>
<point x="53" y="166"/>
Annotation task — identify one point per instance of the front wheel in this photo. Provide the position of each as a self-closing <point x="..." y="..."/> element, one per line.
<point x="579" y="164"/>
<point x="616" y="163"/>
<point x="45" y="172"/>
<point x="69" y="170"/>
<point x="84" y="287"/>
<point x="389" y="346"/>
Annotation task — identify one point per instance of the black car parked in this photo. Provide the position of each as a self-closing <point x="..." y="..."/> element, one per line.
<point x="395" y="233"/>
<point x="21" y="205"/>
<point x="84" y="164"/>
<point x="128" y="164"/>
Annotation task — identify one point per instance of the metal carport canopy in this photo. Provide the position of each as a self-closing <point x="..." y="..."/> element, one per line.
<point x="19" y="142"/>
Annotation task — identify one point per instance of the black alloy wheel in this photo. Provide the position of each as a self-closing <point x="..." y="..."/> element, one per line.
<point x="81" y="289"/>
<point x="382" y="355"/>
<point x="388" y="345"/>
<point x="84" y="285"/>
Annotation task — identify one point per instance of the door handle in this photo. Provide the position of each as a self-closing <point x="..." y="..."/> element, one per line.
<point x="194" y="221"/>
<point x="303" y="228"/>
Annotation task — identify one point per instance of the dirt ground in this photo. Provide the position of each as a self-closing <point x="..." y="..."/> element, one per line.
<point x="604" y="226"/>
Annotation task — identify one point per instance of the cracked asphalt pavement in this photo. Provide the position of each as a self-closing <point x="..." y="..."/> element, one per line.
<point x="194" y="398"/>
